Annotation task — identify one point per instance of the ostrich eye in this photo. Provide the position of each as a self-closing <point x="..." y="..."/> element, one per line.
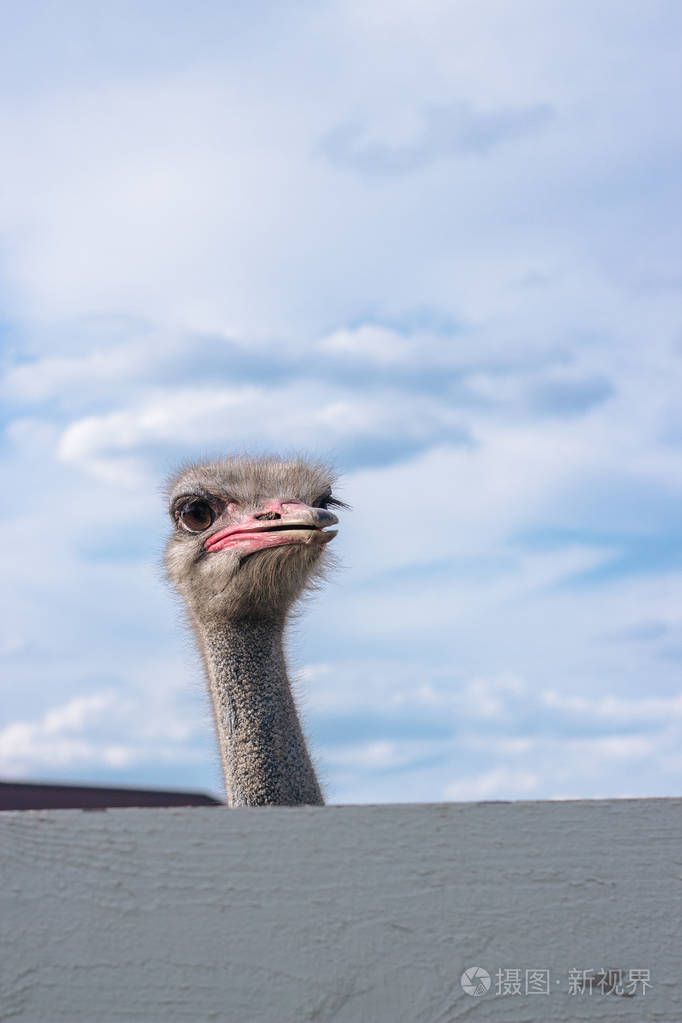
<point x="196" y="516"/>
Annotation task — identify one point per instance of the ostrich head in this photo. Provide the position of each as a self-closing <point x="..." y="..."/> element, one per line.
<point x="249" y="534"/>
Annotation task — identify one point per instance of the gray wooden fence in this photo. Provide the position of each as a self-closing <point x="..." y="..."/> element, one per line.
<point x="530" y="911"/>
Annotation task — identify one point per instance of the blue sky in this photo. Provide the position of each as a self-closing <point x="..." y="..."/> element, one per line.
<point x="437" y="243"/>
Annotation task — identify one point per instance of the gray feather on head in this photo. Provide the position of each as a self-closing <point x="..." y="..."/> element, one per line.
<point x="237" y="582"/>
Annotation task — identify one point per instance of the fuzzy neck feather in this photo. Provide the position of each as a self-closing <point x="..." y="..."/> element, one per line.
<point x="265" y="758"/>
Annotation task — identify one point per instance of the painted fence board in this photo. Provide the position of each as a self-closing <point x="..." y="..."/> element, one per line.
<point x="353" y="914"/>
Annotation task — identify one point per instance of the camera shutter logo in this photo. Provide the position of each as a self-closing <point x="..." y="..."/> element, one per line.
<point x="475" y="981"/>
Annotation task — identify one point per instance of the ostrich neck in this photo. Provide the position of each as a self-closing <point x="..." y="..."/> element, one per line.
<point x="264" y="754"/>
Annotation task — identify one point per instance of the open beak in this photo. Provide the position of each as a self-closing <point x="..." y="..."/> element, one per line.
<point x="304" y="525"/>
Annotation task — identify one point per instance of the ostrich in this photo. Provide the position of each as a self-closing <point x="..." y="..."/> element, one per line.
<point x="249" y="537"/>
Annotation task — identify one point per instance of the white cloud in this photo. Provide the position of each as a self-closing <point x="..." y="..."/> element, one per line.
<point x="455" y="347"/>
<point x="79" y="713"/>
<point x="61" y="737"/>
<point x="466" y="500"/>
<point x="189" y="197"/>
<point x="621" y="747"/>
<point x="98" y="371"/>
<point x="371" y="343"/>
<point x="499" y="783"/>
<point x="613" y="708"/>
<point x="233" y="417"/>
<point x="105" y="729"/>
<point x="377" y="755"/>
<point x="607" y="763"/>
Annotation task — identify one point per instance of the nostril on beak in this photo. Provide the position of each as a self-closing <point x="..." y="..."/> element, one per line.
<point x="268" y="515"/>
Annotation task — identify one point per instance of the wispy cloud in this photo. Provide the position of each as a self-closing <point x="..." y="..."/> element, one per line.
<point x="501" y="783"/>
<point x="256" y="416"/>
<point x="497" y="738"/>
<point x="63" y="737"/>
<point x="452" y="269"/>
<point x="452" y="130"/>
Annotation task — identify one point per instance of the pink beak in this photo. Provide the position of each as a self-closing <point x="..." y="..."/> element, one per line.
<point x="278" y="524"/>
